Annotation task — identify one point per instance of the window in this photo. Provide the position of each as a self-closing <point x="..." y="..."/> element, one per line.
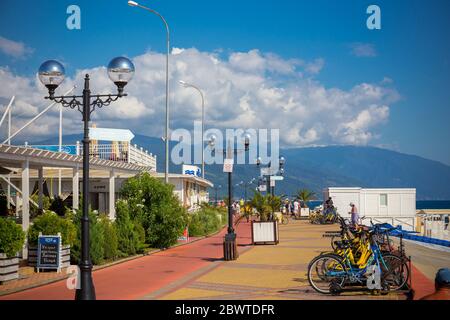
<point x="383" y="199"/>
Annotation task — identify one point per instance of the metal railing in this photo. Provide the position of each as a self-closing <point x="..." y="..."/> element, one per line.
<point x="119" y="152"/>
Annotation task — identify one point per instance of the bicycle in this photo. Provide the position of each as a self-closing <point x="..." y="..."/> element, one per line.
<point x="357" y="261"/>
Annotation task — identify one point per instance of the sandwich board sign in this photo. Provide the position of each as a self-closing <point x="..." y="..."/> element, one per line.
<point x="49" y="252"/>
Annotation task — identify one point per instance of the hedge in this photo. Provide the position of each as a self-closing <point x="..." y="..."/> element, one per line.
<point x="206" y="221"/>
<point x="153" y="204"/>
<point x="12" y="238"/>
<point x="49" y="223"/>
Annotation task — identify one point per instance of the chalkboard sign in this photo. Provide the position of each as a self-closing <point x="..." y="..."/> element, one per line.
<point x="49" y="252"/>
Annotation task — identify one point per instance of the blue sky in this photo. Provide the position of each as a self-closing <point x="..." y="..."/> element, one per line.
<point x="411" y="52"/>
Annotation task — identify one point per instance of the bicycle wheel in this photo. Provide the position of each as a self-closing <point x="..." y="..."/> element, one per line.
<point x="324" y="271"/>
<point x="394" y="271"/>
<point x="284" y="220"/>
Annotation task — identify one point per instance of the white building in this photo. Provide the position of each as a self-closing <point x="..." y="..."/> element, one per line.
<point x="394" y="206"/>
<point x="192" y="191"/>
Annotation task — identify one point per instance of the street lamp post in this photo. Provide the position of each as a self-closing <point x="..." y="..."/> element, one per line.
<point x="229" y="245"/>
<point x="51" y="74"/>
<point x="135" y="4"/>
<point x="188" y="85"/>
<point x="280" y="170"/>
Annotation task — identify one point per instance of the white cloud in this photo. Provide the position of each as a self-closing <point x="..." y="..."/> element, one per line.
<point x="14" y="49"/>
<point x="244" y="89"/>
<point x="315" y="66"/>
<point x="367" y="50"/>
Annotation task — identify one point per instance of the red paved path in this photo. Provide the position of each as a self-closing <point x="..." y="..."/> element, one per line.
<point x="421" y="285"/>
<point x="136" y="278"/>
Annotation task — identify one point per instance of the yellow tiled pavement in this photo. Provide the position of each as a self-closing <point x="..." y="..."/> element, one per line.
<point x="267" y="272"/>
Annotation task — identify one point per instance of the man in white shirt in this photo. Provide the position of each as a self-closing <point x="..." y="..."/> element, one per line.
<point x="296" y="207"/>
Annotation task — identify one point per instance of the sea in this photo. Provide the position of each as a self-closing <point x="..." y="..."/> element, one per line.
<point x="420" y="204"/>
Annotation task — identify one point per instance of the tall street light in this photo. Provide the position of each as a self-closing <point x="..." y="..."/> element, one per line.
<point x="229" y="245"/>
<point x="51" y="74"/>
<point x="271" y="172"/>
<point x="188" y="85"/>
<point x="135" y="4"/>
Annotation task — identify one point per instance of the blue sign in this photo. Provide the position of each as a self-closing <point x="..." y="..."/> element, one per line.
<point x="192" y="171"/>
<point x="69" y="149"/>
<point x="49" y="248"/>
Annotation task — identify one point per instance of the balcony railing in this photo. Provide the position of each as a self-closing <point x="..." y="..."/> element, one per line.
<point x="122" y="152"/>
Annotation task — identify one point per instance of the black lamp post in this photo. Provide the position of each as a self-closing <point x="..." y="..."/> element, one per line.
<point x="270" y="173"/>
<point x="51" y="74"/>
<point x="229" y="245"/>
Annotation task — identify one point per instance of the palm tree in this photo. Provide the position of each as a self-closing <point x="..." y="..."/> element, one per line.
<point x="306" y="195"/>
<point x="260" y="204"/>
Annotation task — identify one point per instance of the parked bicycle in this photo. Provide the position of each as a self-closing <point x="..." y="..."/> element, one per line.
<point x="363" y="257"/>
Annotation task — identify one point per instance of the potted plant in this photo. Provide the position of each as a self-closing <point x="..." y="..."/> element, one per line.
<point x="12" y="239"/>
<point x="305" y="196"/>
<point x="265" y="231"/>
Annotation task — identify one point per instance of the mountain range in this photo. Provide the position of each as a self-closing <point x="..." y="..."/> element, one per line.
<point x="316" y="168"/>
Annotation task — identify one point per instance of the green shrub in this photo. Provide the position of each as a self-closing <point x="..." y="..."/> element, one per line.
<point x="130" y="234"/>
<point x="110" y="239"/>
<point x="103" y="238"/>
<point x="97" y="242"/>
<point x="12" y="238"/>
<point x="206" y="221"/>
<point x="152" y="203"/>
<point x="50" y="223"/>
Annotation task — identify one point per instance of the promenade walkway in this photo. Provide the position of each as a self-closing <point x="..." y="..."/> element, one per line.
<point x="197" y="271"/>
<point x="268" y="272"/>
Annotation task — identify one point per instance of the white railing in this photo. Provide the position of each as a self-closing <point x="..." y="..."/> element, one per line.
<point x="141" y="157"/>
<point x="121" y="152"/>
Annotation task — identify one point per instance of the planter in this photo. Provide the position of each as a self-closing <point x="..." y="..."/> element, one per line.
<point x="9" y="268"/>
<point x="65" y="256"/>
<point x="265" y="232"/>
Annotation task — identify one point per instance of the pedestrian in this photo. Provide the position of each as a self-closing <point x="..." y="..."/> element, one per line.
<point x="442" y="286"/>
<point x="446" y="219"/>
<point x="354" y="214"/>
<point x="296" y="207"/>
<point x="287" y="207"/>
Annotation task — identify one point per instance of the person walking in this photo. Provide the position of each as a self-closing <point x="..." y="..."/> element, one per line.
<point x="354" y="214"/>
<point x="296" y="207"/>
